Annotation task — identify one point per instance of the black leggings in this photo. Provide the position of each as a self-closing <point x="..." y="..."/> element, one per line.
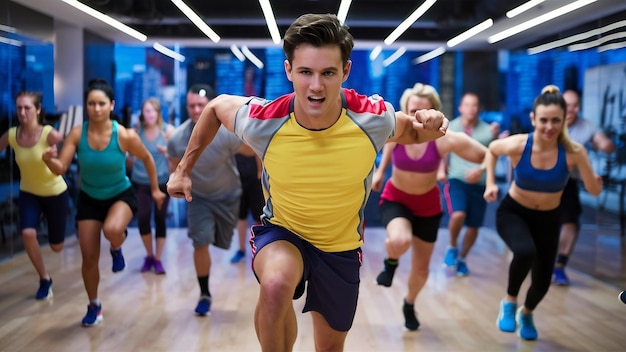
<point x="533" y="237"/>
<point x="146" y="205"/>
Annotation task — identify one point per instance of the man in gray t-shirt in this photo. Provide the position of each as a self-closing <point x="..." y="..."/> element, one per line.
<point x="587" y="134"/>
<point x="213" y="212"/>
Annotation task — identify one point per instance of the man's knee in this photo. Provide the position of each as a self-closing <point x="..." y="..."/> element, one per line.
<point x="277" y="287"/>
<point x="458" y="215"/>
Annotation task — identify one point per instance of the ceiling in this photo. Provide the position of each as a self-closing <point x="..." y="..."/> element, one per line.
<point x="370" y="21"/>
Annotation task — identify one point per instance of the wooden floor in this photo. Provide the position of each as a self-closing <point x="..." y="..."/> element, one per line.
<point x="145" y="312"/>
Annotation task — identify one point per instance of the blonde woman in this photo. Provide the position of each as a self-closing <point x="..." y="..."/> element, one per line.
<point x="527" y="218"/>
<point x="154" y="134"/>
<point x="410" y="205"/>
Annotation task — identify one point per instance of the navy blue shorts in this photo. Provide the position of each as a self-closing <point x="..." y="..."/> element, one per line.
<point x="332" y="278"/>
<point x="54" y="208"/>
<point x="468" y="198"/>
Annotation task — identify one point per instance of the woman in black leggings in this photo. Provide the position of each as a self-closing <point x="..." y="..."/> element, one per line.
<point x="528" y="217"/>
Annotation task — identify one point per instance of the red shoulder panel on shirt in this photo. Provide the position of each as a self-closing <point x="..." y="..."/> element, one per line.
<point x="362" y="103"/>
<point x="280" y="107"/>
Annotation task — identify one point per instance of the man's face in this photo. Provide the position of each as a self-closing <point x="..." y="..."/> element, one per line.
<point x="317" y="74"/>
<point x="469" y="107"/>
<point x="573" y="106"/>
<point x="195" y="105"/>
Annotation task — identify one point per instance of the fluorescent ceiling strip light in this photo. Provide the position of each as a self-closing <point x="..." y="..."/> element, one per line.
<point x="523" y="8"/>
<point x="470" y="33"/>
<point x="612" y="46"/>
<point x="238" y="54"/>
<point x="199" y="22"/>
<point x="594" y="43"/>
<point x="106" y="19"/>
<point x="343" y="10"/>
<point x="168" y="52"/>
<point x="429" y="55"/>
<point x="270" y="20"/>
<point x="538" y="20"/>
<point x="575" y="38"/>
<point x="409" y="21"/>
<point x="395" y="56"/>
<point x="375" y="52"/>
<point x="11" y="41"/>
<point x="8" y="29"/>
<point x="255" y="60"/>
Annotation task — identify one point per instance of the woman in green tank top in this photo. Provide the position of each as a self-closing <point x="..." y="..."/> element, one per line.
<point x="106" y="200"/>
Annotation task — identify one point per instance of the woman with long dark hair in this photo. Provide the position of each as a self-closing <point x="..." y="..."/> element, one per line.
<point x="106" y="202"/>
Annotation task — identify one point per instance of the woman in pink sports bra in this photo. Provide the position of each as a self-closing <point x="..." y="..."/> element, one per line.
<point x="410" y="204"/>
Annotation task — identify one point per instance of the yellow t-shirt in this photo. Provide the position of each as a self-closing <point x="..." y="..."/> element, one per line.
<point x="316" y="183"/>
<point x="36" y="177"/>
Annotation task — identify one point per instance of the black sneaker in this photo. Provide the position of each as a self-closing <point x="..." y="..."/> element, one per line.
<point x="622" y="297"/>
<point x="410" y="318"/>
<point x="385" y="277"/>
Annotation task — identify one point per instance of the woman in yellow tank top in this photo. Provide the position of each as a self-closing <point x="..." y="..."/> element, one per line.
<point x="41" y="191"/>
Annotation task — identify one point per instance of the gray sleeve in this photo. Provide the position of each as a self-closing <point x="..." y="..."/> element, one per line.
<point x="173" y="149"/>
<point x="392" y="111"/>
<point x="234" y="142"/>
<point x="242" y="115"/>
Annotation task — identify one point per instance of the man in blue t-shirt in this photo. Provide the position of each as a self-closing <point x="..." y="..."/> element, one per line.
<point x="466" y="184"/>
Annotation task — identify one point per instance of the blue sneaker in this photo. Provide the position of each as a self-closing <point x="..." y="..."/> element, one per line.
<point x="527" y="329"/>
<point x="451" y="256"/>
<point x="45" y="289"/>
<point x="118" y="260"/>
<point x="506" y="317"/>
<point x="204" y="306"/>
<point x="461" y="268"/>
<point x="93" y="316"/>
<point x="560" y="278"/>
<point x="239" y="256"/>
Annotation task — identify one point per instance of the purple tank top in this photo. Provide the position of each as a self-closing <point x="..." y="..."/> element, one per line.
<point x="429" y="162"/>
